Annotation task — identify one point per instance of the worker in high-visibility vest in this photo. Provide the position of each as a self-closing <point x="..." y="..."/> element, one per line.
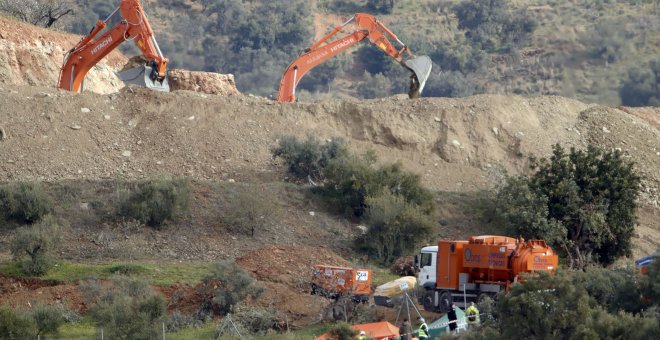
<point x="423" y="333"/>
<point x="472" y="314"/>
<point x="363" y="335"/>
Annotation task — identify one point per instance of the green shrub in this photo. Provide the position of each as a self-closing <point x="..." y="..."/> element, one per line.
<point x="128" y="309"/>
<point x="342" y="331"/>
<point x="36" y="242"/>
<point x="249" y="209"/>
<point x="16" y="324"/>
<point x="47" y="318"/>
<point x="127" y="269"/>
<point x="37" y="321"/>
<point x="374" y="86"/>
<point x="560" y="306"/>
<point x="395" y="227"/>
<point x="233" y="285"/>
<point x="642" y="86"/>
<point x="308" y="158"/>
<point x="350" y="180"/>
<point x="24" y="202"/>
<point x="256" y="320"/>
<point x="155" y="202"/>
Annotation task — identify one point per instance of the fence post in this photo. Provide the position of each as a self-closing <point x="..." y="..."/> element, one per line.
<point x="101" y="333"/>
<point x="163" y="331"/>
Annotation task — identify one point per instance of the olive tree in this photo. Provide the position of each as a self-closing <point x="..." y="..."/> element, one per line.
<point x="38" y="12"/>
<point x="36" y="243"/>
<point x="583" y="203"/>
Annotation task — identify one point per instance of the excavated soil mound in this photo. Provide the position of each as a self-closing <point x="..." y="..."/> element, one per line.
<point x="23" y="293"/>
<point x="286" y="272"/>
<point x="31" y="55"/>
<point x="206" y="82"/>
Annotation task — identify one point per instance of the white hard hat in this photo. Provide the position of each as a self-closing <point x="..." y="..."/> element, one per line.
<point x="422" y="319"/>
<point x="362" y="333"/>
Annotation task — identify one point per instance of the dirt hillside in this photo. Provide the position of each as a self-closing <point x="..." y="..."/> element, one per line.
<point x="209" y="131"/>
<point x="456" y="145"/>
<point x="31" y="55"/>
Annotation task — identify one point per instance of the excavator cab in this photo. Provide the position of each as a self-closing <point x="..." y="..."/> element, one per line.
<point x="145" y="76"/>
<point x="421" y="69"/>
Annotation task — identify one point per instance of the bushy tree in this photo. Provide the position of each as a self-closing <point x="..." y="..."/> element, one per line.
<point x="491" y="25"/>
<point x="256" y="39"/>
<point x="128" y="309"/>
<point x="37" y="321"/>
<point x="350" y="180"/>
<point x="38" y="12"/>
<point x="642" y="86"/>
<point x="36" y="242"/>
<point x="15" y="324"/>
<point x="450" y="84"/>
<point x="24" y="202"/>
<point x="380" y="6"/>
<point x="309" y="158"/>
<point x="233" y="285"/>
<point x="156" y="201"/>
<point x="582" y="203"/>
<point x="395" y="227"/>
<point x="47" y="318"/>
<point x="249" y="209"/>
<point x="559" y="306"/>
<point x="256" y="321"/>
<point x="342" y="331"/>
<point x="374" y="86"/>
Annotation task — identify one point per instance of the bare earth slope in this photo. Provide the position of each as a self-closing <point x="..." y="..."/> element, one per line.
<point x="31" y="55"/>
<point x="455" y="144"/>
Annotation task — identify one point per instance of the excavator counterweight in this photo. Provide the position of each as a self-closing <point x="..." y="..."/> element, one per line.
<point x="367" y="27"/>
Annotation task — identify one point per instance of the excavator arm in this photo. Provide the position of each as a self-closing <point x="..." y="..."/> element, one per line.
<point x="368" y="27"/>
<point x="94" y="47"/>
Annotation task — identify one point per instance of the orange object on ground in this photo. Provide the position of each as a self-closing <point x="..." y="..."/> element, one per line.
<point x="332" y="281"/>
<point x="377" y="330"/>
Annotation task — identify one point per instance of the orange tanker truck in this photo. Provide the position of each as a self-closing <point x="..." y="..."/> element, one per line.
<point x="460" y="272"/>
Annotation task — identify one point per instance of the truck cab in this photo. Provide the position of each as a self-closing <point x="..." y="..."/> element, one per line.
<point x="426" y="261"/>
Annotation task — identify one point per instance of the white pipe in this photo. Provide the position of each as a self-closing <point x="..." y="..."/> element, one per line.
<point x="295" y="76"/>
<point x="153" y="39"/>
<point x="111" y="15"/>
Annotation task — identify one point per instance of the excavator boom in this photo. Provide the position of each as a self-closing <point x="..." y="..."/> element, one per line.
<point x="94" y="47"/>
<point x="368" y="27"/>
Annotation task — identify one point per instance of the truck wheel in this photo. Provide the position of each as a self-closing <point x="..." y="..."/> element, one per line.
<point x="427" y="301"/>
<point x="445" y="301"/>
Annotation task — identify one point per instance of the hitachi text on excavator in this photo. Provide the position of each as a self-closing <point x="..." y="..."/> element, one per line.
<point x="90" y="50"/>
<point x="368" y="27"/>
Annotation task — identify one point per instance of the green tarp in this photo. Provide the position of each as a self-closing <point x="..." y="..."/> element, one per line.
<point x="441" y="326"/>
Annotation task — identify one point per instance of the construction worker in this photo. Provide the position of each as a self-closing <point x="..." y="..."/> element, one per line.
<point x="472" y="315"/>
<point x="363" y="335"/>
<point x="405" y="331"/>
<point x="423" y="333"/>
<point x="453" y="320"/>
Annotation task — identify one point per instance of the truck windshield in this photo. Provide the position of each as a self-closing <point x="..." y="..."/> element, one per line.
<point x="426" y="260"/>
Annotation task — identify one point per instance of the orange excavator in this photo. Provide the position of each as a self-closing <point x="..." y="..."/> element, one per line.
<point x="368" y="27"/>
<point x="91" y="49"/>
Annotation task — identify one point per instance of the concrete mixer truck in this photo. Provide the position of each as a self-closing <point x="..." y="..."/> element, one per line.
<point x="463" y="271"/>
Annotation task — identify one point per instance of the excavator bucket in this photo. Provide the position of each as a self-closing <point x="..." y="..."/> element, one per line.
<point x="143" y="76"/>
<point x="421" y="69"/>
